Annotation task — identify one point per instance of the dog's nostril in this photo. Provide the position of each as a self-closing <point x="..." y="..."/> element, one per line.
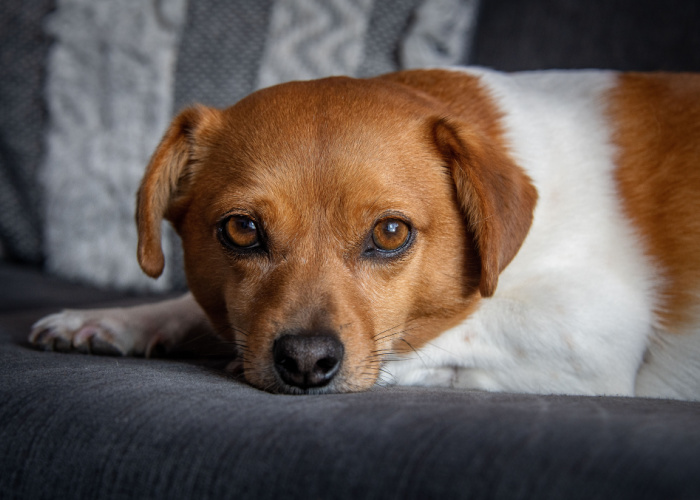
<point x="325" y="365"/>
<point x="288" y="363"/>
<point x="307" y="360"/>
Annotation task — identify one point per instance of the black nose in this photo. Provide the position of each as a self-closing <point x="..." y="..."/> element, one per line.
<point x="307" y="360"/>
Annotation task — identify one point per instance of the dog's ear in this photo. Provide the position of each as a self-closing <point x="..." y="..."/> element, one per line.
<point x="496" y="197"/>
<point x="162" y="184"/>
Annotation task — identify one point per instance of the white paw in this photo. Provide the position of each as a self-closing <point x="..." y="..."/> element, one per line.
<point x="85" y="331"/>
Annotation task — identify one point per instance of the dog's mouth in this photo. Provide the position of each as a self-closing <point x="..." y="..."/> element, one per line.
<point x="310" y="365"/>
<point x="307" y="362"/>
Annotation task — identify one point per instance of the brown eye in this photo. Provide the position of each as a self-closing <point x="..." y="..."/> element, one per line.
<point x="390" y="234"/>
<point x="241" y="231"/>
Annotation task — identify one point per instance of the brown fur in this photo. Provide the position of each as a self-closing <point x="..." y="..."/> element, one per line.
<point x="318" y="164"/>
<point x="657" y="120"/>
<point x="496" y="196"/>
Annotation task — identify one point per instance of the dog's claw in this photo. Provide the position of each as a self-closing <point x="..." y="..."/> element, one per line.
<point x="61" y="344"/>
<point x="42" y="339"/>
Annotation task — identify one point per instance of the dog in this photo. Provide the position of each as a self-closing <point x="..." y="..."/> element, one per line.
<point x="533" y="232"/>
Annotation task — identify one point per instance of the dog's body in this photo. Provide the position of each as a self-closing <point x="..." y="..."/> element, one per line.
<point x="535" y="232"/>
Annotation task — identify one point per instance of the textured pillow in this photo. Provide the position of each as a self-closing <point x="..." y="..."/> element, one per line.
<point x="109" y="95"/>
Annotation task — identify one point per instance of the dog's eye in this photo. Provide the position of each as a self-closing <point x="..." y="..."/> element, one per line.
<point x="390" y="234"/>
<point x="241" y="231"/>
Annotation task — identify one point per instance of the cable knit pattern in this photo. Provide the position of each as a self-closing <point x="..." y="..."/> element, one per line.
<point x="441" y="34"/>
<point x="109" y="95"/>
<point x="314" y="38"/>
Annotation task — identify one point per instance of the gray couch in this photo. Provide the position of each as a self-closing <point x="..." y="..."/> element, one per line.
<point x="76" y="426"/>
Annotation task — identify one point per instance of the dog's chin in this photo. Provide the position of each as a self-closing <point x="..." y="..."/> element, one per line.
<point x="270" y="382"/>
<point x="282" y="388"/>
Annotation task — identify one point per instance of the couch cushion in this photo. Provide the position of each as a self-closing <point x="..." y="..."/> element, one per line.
<point x="27" y="288"/>
<point x="104" y="427"/>
<point x="90" y="427"/>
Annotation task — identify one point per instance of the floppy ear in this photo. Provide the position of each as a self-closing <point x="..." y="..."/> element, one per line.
<point x="496" y="197"/>
<point x="163" y="181"/>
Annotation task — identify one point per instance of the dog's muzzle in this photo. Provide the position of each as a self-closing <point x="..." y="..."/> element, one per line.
<point x="307" y="359"/>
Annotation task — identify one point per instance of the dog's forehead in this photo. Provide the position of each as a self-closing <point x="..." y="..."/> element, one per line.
<point x="317" y="117"/>
<point x="338" y="142"/>
<point x="345" y="96"/>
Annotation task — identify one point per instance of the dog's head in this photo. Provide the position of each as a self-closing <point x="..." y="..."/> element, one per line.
<point x="329" y="224"/>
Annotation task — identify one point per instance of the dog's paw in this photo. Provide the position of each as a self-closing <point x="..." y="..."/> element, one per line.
<point x="87" y="331"/>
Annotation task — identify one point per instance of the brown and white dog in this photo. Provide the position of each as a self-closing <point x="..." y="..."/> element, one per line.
<point x="533" y="232"/>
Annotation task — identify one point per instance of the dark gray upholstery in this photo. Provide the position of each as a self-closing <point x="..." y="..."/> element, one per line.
<point x="23" y="50"/>
<point x="77" y="426"/>
<point x="629" y="35"/>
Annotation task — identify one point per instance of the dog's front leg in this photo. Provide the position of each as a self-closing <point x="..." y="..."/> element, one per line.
<point x="122" y="331"/>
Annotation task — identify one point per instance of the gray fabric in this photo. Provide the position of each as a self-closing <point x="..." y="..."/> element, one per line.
<point x="220" y="51"/>
<point x="109" y="94"/>
<point x="23" y="49"/>
<point x="418" y="33"/>
<point x="76" y="426"/>
<point x="388" y="24"/>
<point x="314" y="38"/>
<point x="624" y="34"/>
<point x="86" y="427"/>
<point x="26" y="288"/>
<point x="440" y="35"/>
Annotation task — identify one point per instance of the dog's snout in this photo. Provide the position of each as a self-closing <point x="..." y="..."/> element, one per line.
<point x="307" y="360"/>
